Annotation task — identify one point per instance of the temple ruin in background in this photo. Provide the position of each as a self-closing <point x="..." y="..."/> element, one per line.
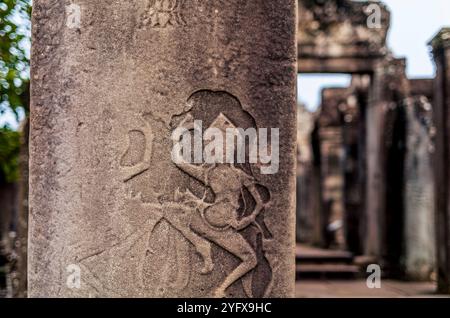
<point x="374" y="141"/>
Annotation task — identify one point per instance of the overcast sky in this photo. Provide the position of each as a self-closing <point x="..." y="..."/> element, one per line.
<point x="414" y="23"/>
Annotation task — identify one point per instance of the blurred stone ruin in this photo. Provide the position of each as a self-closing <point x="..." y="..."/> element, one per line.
<point x="369" y="186"/>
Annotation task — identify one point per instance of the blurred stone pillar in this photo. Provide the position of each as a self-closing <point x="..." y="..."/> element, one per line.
<point x="332" y="165"/>
<point x="441" y="52"/>
<point x="419" y="191"/>
<point x="389" y="90"/>
<point x="306" y="196"/>
<point x="319" y="222"/>
<point x="353" y="132"/>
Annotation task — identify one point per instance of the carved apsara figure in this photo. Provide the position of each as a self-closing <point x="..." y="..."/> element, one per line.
<point x="219" y="221"/>
<point x="230" y="212"/>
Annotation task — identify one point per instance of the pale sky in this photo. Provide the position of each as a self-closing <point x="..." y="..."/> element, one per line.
<point x="413" y="24"/>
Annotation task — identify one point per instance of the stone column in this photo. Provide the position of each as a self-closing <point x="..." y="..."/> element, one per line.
<point x="386" y="96"/>
<point x="332" y="172"/>
<point x="306" y="190"/>
<point x="441" y="51"/>
<point x="419" y="232"/>
<point x="353" y="136"/>
<point x="111" y="214"/>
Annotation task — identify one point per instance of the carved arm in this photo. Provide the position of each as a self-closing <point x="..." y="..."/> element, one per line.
<point x="246" y="221"/>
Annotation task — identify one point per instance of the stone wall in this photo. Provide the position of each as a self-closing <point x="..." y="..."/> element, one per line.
<point x="441" y="106"/>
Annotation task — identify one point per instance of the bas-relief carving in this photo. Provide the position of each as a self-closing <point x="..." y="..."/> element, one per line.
<point x="163" y="13"/>
<point x="229" y="214"/>
<point x="137" y="158"/>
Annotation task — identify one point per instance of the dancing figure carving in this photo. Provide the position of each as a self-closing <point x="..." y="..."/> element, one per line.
<point x="231" y="218"/>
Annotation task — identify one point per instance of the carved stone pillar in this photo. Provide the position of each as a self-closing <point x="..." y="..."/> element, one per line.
<point x="111" y="212"/>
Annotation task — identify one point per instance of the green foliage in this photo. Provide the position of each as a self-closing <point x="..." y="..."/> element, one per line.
<point x="15" y="32"/>
<point x="9" y="155"/>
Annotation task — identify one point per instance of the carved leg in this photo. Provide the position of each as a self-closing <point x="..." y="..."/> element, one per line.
<point x="202" y="246"/>
<point x="234" y="243"/>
